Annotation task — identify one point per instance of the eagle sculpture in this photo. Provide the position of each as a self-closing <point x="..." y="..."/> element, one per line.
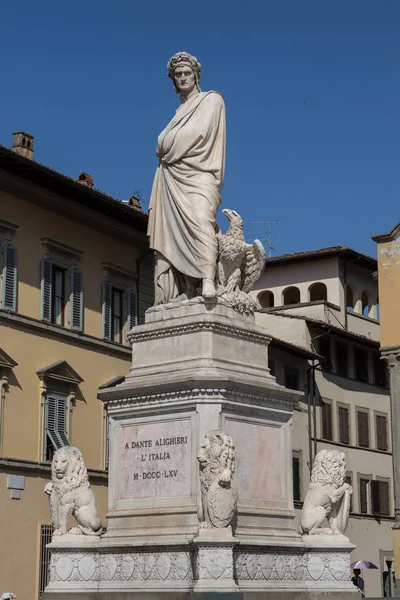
<point x="240" y="265"/>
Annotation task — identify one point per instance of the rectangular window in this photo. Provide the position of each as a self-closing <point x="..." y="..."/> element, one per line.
<point x="296" y="478"/>
<point x="361" y="364"/>
<point x="342" y="359"/>
<point x="324" y="349"/>
<point x="116" y="315"/>
<point x="56" y="425"/>
<point x="381" y="432"/>
<point x="380" y="371"/>
<point x="350" y="482"/>
<point x="291" y="378"/>
<point x="326" y="417"/>
<point x="344" y="425"/>
<point x="363" y="429"/>
<point x="58" y="295"/>
<point x="9" y="278"/>
<point x="364" y="496"/>
<point x="380" y="498"/>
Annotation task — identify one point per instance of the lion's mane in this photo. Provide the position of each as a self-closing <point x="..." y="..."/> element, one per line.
<point x="76" y="475"/>
<point x="221" y="456"/>
<point x="329" y="469"/>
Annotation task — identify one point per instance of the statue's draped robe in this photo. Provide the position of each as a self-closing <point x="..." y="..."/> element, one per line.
<point x="186" y="194"/>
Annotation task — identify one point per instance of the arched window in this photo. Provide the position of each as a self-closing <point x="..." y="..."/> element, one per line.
<point x="266" y="299"/>
<point x="349" y="298"/>
<point x="318" y="291"/>
<point x="291" y="295"/>
<point x="365" y="304"/>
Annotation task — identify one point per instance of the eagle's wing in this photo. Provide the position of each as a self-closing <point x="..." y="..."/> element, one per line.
<point x="253" y="265"/>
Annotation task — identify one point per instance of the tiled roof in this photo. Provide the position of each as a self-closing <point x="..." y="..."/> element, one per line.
<point x="344" y="252"/>
<point x="92" y="198"/>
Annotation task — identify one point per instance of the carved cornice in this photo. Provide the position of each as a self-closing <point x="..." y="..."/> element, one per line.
<point x="199" y="394"/>
<point x="200" y="326"/>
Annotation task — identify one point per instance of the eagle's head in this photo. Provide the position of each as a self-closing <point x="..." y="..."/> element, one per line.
<point x="233" y="217"/>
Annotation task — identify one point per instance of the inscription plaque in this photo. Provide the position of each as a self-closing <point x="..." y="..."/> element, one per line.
<point x="157" y="459"/>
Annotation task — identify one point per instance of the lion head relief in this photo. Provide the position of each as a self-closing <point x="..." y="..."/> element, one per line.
<point x="217" y="455"/>
<point x="329" y="469"/>
<point x="68" y="471"/>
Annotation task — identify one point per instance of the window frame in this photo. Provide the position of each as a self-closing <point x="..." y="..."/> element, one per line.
<point x="349" y="480"/>
<point x="114" y="292"/>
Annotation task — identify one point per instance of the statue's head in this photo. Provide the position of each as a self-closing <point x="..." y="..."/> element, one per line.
<point x="329" y="468"/>
<point x="68" y="467"/>
<point x="217" y="451"/>
<point x="185" y="71"/>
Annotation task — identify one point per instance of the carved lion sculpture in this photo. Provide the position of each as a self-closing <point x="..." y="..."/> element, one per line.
<point x="328" y="496"/>
<point x="70" y="494"/>
<point x="218" y="492"/>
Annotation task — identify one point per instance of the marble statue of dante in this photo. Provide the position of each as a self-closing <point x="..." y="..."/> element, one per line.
<point x="186" y="189"/>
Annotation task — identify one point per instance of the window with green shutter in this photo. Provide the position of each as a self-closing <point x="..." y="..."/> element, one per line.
<point x="56" y="425"/>
<point x="9" y="278"/>
<point x="364" y="486"/>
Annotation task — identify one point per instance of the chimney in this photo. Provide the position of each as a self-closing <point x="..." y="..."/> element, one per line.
<point x="86" y="179"/>
<point x="134" y="202"/>
<point x="23" y="144"/>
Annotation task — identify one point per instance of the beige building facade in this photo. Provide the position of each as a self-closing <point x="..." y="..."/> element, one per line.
<point x="76" y="276"/>
<point x="326" y="302"/>
<point x="389" y="289"/>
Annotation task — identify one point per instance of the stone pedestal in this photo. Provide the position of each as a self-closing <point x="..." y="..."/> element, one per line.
<point x="195" y="368"/>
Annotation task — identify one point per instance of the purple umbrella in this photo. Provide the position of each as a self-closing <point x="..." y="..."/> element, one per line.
<point x="363" y="564"/>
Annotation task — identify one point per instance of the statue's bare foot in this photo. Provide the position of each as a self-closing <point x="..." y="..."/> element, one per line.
<point x="208" y="291"/>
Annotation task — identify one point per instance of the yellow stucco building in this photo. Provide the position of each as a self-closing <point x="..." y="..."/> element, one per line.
<point x="389" y="293"/>
<point x="76" y="275"/>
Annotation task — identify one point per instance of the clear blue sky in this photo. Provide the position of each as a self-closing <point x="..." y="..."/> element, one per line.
<point x="312" y="89"/>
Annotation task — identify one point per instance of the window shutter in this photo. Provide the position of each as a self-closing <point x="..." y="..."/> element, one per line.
<point x="51" y="421"/>
<point x="76" y="300"/>
<point x="381" y="433"/>
<point x="327" y="430"/>
<point x="376" y="497"/>
<point x="344" y="425"/>
<point x="364" y="495"/>
<point x="384" y="497"/>
<point x="132" y="311"/>
<point x="9" y="287"/>
<point x="61" y="421"/>
<point x="106" y="310"/>
<point x="363" y="429"/>
<point x="46" y="289"/>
